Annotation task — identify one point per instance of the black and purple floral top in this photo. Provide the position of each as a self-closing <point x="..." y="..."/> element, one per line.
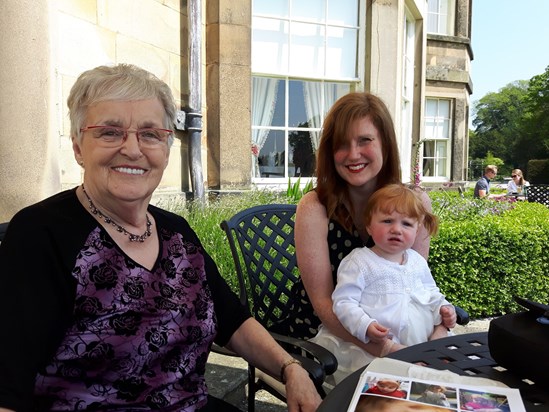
<point x="83" y="326"/>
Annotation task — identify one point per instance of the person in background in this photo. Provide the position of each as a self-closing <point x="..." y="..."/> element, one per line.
<point x="385" y="295"/>
<point x="482" y="187"/>
<point x="110" y="303"/>
<point x="517" y="183"/>
<point x="357" y="154"/>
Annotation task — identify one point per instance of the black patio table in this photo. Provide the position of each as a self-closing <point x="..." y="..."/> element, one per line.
<point x="465" y="354"/>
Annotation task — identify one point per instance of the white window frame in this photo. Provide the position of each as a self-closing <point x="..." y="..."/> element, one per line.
<point x="291" y="75"/>
<point x="441" y="16"/>
<point x="439" y="125"/>
<point x="408" y="69"/>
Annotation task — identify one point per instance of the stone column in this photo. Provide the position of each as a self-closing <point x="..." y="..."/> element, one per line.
<point x="29" y="169"/>
<point x="228" y="84"/>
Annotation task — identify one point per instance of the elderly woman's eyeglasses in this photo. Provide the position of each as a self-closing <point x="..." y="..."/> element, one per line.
<point x="114" y="136"/>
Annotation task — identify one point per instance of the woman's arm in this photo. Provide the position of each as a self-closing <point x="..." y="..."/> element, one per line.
<point x="256" y="345"/>
<point x="311" y="243"/>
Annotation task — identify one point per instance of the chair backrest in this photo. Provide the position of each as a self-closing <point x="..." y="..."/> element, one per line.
<point x="261" y="239"/>
<point x="3" y="228"/>
<point x="538" y="193"/>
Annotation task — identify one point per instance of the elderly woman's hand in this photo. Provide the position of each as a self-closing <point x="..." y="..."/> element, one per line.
<point x="301" y="394"/>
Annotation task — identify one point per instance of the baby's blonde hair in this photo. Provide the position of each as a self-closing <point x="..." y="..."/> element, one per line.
<point x="404" y="200"/>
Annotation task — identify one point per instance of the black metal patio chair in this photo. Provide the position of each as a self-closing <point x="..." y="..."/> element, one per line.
<point x="261" y="239"/>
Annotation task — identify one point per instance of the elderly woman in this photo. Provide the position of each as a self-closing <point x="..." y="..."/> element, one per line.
<point x="107" y="302"/>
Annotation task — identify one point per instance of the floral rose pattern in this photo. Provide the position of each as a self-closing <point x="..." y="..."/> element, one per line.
<point x="134" y="330"/>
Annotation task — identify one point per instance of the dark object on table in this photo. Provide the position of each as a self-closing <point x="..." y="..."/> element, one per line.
<point x="261" y="239"/>
<point x="518" y="341"/>
<point x="3" y="228"/>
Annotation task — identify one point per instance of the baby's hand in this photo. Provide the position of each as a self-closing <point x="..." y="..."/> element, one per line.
<point x="377" y="332"/>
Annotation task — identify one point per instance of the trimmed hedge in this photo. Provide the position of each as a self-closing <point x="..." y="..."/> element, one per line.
<point x="481" y="262"/>
<point x="485" y="251"/>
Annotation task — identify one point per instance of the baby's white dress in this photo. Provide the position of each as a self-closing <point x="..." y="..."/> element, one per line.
<point x="403" y="297"/>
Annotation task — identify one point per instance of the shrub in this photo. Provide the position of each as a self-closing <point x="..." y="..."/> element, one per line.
<point x="485" y="251"/>
<point x="480" y="262"/>
<point x="205" y="220"/>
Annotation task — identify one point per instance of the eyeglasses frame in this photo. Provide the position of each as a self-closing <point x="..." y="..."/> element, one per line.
<point x="127" y="131"/>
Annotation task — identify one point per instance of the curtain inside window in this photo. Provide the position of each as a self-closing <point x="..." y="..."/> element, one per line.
<point x="263" y="106"/>
<point x="317" y="105"/>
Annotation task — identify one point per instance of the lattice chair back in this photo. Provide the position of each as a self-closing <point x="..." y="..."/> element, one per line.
<point x="267" y="266"/>
<point x="538" y="193"/>
<point x="261" y="239"/>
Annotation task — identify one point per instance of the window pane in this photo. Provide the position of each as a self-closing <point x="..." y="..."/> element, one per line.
<point x="431" y="108"/>
<point x="444" y="108"/>
<point x="279" y="116"/>
<point x="271" y="155"/>
<point x="332" y="92"/>
<point x="277" y="8"/>
<point x="307" y="50"/>
<point x="309" y="10"/>
<point x="296" y="110"/>
<point x="441" y="149"/>
<point x="441" y="167"/>
<point x="302" y="155"/>
<point x="269" y="46"/>
<point x="341" y="52"/>
<point x="428" y="167"/>
<point x="432" y="6"/>
<point x="343" y="13"/>
<point x="428" y="149"/>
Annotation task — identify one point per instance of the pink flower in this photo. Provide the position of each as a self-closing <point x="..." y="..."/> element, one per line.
<point x="255" y="149"/>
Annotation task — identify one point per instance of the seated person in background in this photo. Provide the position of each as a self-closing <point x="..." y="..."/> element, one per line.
<point x="108" y="303"/>
<point x="385" y="295"/>
<point x="387" y="387"/>
<point x="517" y="183"/>
<point x="482" y="188"/>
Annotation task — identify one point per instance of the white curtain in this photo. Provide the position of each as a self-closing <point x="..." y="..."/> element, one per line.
<point x="317" y="105"/>
<point x="312" y="91"/>
<point x="263" y="106"/>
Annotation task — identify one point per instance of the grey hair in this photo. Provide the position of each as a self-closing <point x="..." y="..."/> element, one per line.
<point x="121" y="82"/>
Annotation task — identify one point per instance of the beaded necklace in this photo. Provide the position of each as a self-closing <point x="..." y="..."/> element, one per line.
<point x="119" y="228"/>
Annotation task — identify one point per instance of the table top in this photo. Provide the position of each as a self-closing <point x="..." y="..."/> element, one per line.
<point x="465" y="354"/>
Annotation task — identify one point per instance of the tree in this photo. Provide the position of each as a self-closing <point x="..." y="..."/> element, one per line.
<point x="534" y="142"/>
<point x="498" y="121"/>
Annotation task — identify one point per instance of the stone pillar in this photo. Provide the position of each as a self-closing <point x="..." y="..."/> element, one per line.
<point x="29" y="169"/>
<point x="228" y="93"/>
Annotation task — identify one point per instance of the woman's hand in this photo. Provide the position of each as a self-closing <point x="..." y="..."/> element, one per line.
<point x="257" y="346"/>
<point x="301" y="394"/>
<point x="449" y="317"/>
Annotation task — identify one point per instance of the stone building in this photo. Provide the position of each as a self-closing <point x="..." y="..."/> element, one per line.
<point x="270" y="70"/>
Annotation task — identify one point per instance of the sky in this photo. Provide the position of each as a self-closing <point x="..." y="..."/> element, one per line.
<point x="510" y="41"/>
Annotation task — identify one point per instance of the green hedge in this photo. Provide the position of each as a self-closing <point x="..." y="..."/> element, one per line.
<point x="481" y="262"/>
<point x="485" y="251"/>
